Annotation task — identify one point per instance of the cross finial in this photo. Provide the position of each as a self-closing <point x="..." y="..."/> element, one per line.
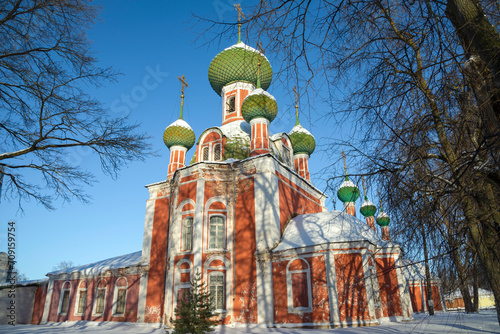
<point x="380" y="200"/>
<point x="364" y="188"/>
<point x="183" y="85"/>
<point x="296" y="105"/>
<point x="345" y="166"/>
<point x="240" y="15"/>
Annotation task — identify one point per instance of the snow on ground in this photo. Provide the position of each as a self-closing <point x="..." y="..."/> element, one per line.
<point x="441" y="323"/>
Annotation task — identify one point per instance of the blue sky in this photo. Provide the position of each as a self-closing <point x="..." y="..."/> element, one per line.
<point x="151" y="43"/>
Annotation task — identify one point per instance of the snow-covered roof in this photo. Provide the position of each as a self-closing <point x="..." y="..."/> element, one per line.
<point x="348" y="183"/>
<point x="260" y="91"/>
<point x="25" y="283"/>
<point x="123" y="261"/>
<point x="181" y="123"/>
<point x="277" y="136"/>
<point x="246" y="47"/>
<point x="236" y="129"/>
<point x="367" y="202"/>
<point x="299" y="128"/>
<point x="413" y="271"/>
<point x="458" y="294"/>
<point x="325" y="227"/>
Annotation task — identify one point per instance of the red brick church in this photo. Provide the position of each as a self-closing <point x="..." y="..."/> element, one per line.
<point x="244" y="213"/>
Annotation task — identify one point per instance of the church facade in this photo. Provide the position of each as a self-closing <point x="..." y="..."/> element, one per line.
<point x="245" y="214"/>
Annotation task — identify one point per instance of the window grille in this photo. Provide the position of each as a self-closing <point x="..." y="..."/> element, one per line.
<point x="216" y="285"/>
<point x="101" y="294"/>
<point x="120" y="301"/>
<point x="217" y="232"/>
<point x="205" y="154"/>
<point x="82" y="302"/>
<point x="217" y="155"/>
<point x="65" y="302"/>
<point x="187" y="234"/>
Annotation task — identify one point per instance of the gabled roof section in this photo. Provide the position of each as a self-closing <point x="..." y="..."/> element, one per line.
<point x="123" y="261"/>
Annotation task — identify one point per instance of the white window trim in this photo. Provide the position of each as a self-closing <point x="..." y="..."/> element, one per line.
<point x="77" y="301"/>
<point x="59" y="309"/>
<point x="225" y="230"/>
<point x="177" y="280"/>
<point x="227" y="277"/>
<point x="220" y="271"/>
<point x="235" y="95"/>
<point x="289" y="287"/>
<point x="183" y="229"/>
<point x="94" y="308"/>
<point x="115" y="297"/>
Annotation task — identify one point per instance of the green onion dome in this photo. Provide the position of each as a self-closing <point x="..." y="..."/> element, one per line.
<point x="239" y="63"/>
<point x="348" y="191"/>
<point x="302" y="140"/>
<point x="179" y="133"/>
<point x="368" y="209"/>
<point x="259" y="103"/>
<point x="383" y="219"/>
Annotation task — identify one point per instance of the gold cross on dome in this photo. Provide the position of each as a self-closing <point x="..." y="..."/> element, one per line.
<point x="183" y="84"/>
<point x="364" y="188"/>
<point x="296" y="101"/>
<point x="240" y="15"/>
<point x="345" y="166"/>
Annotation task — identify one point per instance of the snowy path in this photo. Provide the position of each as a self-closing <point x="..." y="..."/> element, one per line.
<point x="441" y="323"/>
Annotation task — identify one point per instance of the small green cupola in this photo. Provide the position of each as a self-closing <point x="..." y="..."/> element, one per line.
<point x="383" y="218"/>
<point x="179" y="133"/>
<point x="302" y="140"/>
<point x="367" y="209"/>
<point x="348" y="191"/>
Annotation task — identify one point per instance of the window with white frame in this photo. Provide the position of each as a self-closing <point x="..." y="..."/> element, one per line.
<point x="298" y="277"/>
<point x="64" y="300"/>
<point x="81" y="298"/>
<point x="231" y="104"/>
<point x="217" y="152"/>
<point x="216" y="285"/>
<point x="287" y="157"/>
<point x="100" y="297"/>
<point x="120" y="297"/>
<point x="217" y="233"/>
<point x="187" y="234"/>
<point x="205" y="154"/>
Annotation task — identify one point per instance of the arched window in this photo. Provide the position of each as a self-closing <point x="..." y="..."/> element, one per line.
<point x="216" y="285"/>
<point x="205" y="154"/>
<point x="100" y="297"/>
<point x="182" y="280"/>
<point x="217" y="233"/>
<point x="187" y="234"/>
<point x="64" y="300"/>
<point x="120" y="297"/>
<point x="217" y="152"/>
<point x="231" y="104"/>
<point x="298" y="279"/>
<point x="81" y="298"/>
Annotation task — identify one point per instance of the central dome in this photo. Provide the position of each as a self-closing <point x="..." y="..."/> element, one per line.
<point x="239" y="63"/>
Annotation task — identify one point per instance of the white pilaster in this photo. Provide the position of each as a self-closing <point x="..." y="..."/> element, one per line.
<point x="368" y="285"/>
<point x="148" y="231"/>
<point x="265" y="296"/>
<point x="143" y="289"/>
<point x="48" y="298"/>
<point x="331" y="280"/>
<point x="267" y="218"/>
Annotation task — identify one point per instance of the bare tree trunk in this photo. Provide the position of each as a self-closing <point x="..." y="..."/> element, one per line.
<point x="475" y="284"/>
<point x="462" y="280"/>
<point x="430" y="300"/>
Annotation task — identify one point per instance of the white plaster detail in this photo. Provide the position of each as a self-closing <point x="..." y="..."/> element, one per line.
<point x="289" y="287"/>
<point x="115" y="296"/>
<point x="148" y="231"/>
<point x="48" y="299"/>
